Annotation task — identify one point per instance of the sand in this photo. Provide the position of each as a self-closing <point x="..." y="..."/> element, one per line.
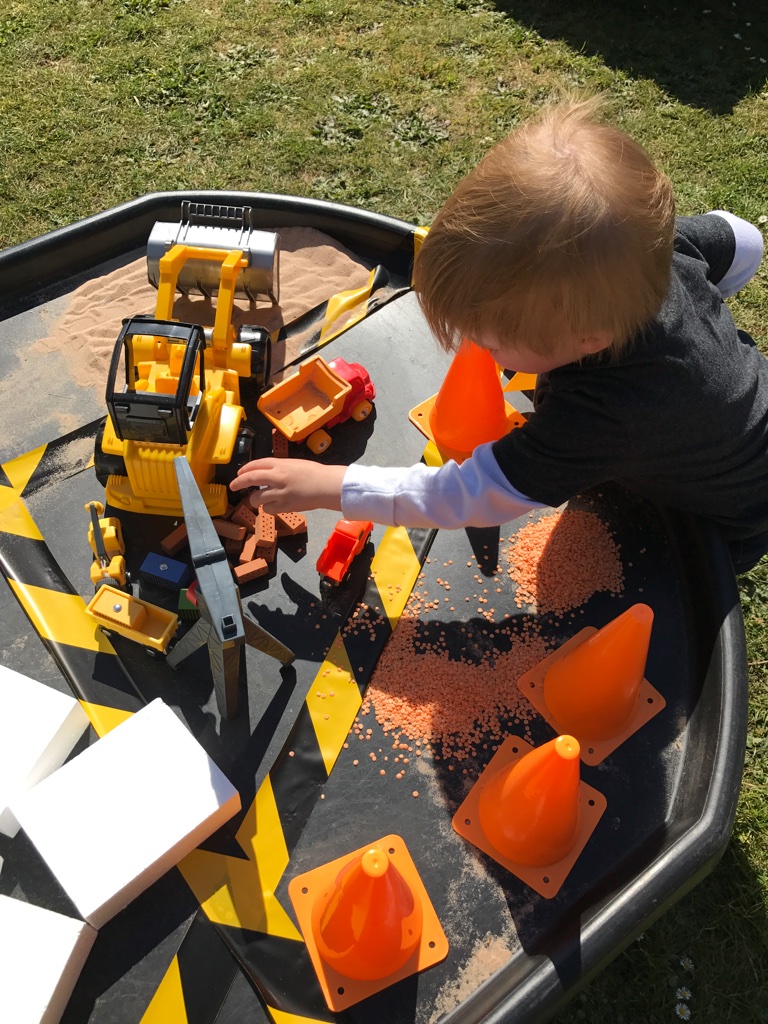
<point x="313" y="267"/>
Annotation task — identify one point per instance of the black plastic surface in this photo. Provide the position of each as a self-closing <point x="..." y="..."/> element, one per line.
<point x="671" y="789"/>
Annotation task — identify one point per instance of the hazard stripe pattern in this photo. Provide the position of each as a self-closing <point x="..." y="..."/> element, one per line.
<point x="85" y="656"/>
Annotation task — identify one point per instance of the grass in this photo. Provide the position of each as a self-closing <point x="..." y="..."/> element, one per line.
<point x="385" y="107"/>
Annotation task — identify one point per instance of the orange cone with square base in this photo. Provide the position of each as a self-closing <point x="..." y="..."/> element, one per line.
<point x="367" y="921"/>
<point x="469" y="409"/>
<point x="370" y="923"/>
<point x="529" y="811"/>
<point x="592" y="691"/>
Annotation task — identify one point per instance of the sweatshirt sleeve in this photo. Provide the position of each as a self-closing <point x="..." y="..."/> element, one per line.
<point x="747" y="254"/>
<point x="475" y="493"/>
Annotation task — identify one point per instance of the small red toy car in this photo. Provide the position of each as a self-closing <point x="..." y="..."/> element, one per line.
<point x="348" y="539"/>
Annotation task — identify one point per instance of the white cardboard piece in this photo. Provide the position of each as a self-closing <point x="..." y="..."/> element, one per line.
<point x="115" y="818"/>
<point x="42" y="956"/>
<point x="38" y="729"/>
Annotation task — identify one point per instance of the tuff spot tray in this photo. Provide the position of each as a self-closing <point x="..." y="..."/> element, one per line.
<point x="671" y="789"/>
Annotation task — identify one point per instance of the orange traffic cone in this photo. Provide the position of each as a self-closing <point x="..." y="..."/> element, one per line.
<point x="593" y="686"/>
<point x="592" y="691"/>
<point x="367" y="921"/>
<point x="469" y="409"/>
<point x="530" y="811"/>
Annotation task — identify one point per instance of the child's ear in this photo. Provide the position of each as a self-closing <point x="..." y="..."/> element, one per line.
<point x="596" y="342"/>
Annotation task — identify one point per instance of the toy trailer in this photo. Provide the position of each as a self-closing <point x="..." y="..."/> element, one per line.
<point x="144" y="623"/>
<point x="319" y="394"/>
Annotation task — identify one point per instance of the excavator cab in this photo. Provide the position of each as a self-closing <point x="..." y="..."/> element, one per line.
<point x="151" y="407"/>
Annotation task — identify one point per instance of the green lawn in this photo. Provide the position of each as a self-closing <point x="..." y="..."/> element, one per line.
<point x="385" y="107"/>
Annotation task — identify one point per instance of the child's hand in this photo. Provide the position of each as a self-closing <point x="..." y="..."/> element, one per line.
<point x="292" y="485"/>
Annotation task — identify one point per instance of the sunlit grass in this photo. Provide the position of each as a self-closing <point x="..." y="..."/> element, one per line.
<point x="386" y="107"/>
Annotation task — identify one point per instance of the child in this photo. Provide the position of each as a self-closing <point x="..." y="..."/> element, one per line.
<point x="561" y="255"/>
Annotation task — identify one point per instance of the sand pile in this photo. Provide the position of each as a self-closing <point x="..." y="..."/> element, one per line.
<point x="313" y="267"/>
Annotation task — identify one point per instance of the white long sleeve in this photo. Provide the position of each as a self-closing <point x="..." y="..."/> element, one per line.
<point x="476" y="493"/>
<point x="746" y="259"/>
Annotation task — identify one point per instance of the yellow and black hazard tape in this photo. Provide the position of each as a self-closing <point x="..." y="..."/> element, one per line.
<point x="197" y="979"/>
<point x="85" y="656"/>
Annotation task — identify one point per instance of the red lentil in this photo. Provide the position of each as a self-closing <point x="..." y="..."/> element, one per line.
<point x="560" y="560"/>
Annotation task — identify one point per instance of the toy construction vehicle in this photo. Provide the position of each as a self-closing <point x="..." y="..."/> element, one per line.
<point x="319" y="395"/>
<point x="147" y="624"/>
<point x="348" y="539"/>
<point x="180" y="387"/>
<point x="105" y="537"/>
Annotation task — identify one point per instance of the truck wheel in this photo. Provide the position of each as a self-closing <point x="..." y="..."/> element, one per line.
<point x="242" y="454"/>
<point x="107" y="581"/>
<point x="106" y="465"/>
<point x="362" y="411"/>
<point x="319" y="441"/>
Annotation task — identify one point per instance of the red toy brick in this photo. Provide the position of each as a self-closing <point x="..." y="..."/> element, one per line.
<point x="249" y="549"/>
<point x="229" y="531"/>
<point x="175" y="541"/>
<point x="233" y="547"/>
<point x="279" y="444"/>
<point x="266" y="549"/>
<point x="266" y="529"/>
<point x="245" y="516"/>
<point x="288" y="524"/>
<point x="249" y="571"/>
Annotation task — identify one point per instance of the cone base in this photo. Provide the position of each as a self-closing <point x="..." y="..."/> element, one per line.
<point x="547" y="881"/>
<point x="339" y="990"/>
<point x="521" y="382"/>
<point x="419" y="417"/>
<point x="649" y="703"/>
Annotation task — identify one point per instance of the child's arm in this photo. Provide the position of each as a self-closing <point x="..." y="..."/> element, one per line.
<point x="451" y="496"/>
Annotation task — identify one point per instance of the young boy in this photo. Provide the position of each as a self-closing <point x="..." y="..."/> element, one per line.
<point x="560" y="253"/>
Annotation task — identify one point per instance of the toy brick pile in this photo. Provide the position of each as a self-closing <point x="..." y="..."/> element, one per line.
<point x="248" y="534"/>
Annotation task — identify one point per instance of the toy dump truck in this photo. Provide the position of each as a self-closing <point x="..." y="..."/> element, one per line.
<point x="319" y="395"/>
<point x="179" y="392"/>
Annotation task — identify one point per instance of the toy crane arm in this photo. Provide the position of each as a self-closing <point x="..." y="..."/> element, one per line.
<point x="96" y="508"/>
<point x="209" y="560"/>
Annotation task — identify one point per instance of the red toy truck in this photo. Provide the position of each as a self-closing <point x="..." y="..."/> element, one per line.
<point x="319" y="395"/>
<point x="348" y="539"/>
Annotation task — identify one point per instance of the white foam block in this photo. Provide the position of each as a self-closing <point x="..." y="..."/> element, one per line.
<point x="38" y="729"/>
<point x="115" y="818"/>
<point x="42" y="956"/>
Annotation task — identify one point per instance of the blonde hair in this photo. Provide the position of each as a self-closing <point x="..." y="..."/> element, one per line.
<point x="563" y="229"/>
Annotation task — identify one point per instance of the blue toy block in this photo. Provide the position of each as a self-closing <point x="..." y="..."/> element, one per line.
<point x="165" y="572"/>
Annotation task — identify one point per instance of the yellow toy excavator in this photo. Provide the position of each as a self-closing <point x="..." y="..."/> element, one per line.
<point x="180" y="388"/>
